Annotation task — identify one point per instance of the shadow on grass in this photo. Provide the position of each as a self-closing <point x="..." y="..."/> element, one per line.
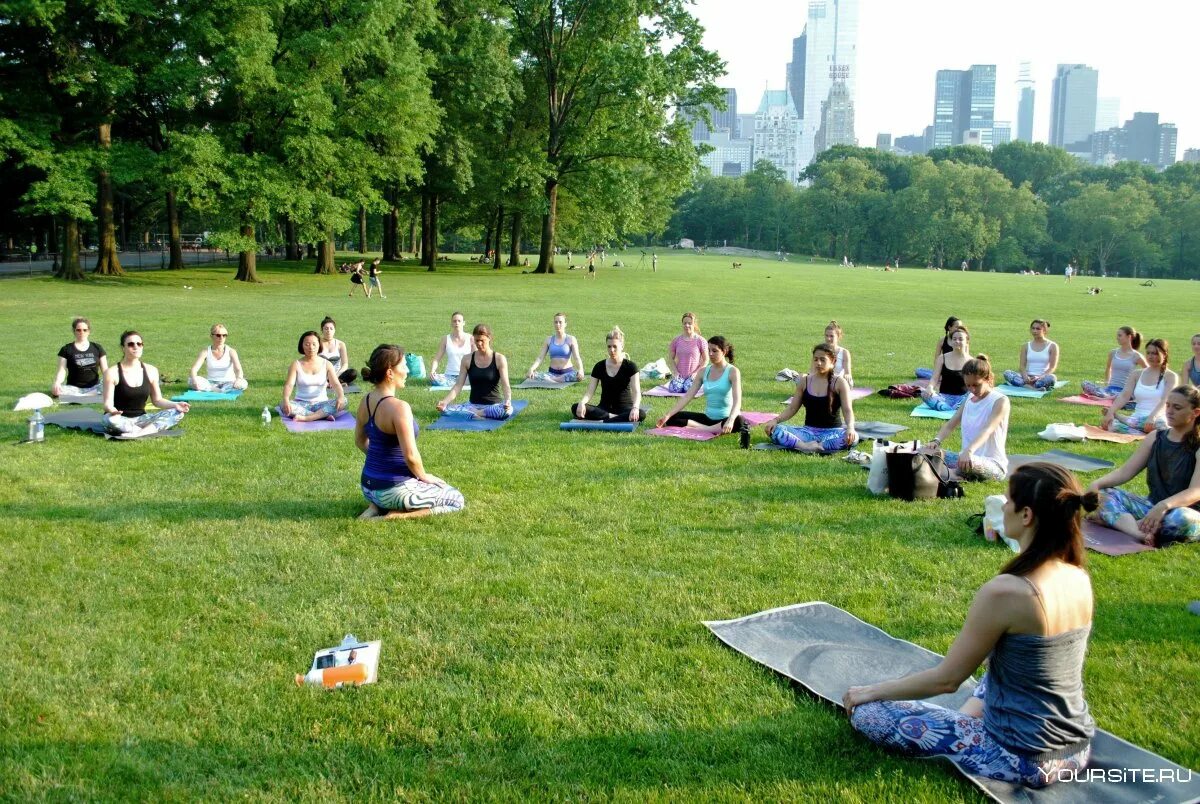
<point x="184" y="513"/>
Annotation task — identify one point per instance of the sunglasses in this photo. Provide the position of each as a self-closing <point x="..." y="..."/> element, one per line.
<point x="220" y="334"/>
<point x="134" y="344"/>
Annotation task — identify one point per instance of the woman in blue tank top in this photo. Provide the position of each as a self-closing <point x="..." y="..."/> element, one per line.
<point x="722" y="384"/>
<point x="566" y="364"/>
<point x="394" y="480"/>
<point x="1027" y="721"/>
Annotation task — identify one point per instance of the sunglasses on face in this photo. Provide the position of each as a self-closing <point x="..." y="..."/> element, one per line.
<point x="220" y="334"/>
<point x="133" y="345"/>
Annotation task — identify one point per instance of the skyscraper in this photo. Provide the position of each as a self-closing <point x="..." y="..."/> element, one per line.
<point x="721" y="120"/>
<point x="1073" y="105"/>
<point x="1108" y="113"/>
<point x="776" y="132"/>
<point x="837" y="120"/>
<point x="947" y="122"/>
<point x="964" y="101"/>
<point x="1001" y="132"/>
<point x="883" y="141"/>
<point x="796" y="71"/>
<point x="831" y="38"/>
<point x="1025" y="98"/>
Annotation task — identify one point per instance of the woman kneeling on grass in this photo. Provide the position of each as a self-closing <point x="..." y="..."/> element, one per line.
<point x="620" y="386"/>
<point x="722" y="384"/>
<point x="1172" y="511"/>
<point x="394" y="479"/>
<point x="128" y="386"/>
<point x="311" y="376"/>
<point x="1027" y="721"/>
<point x="984" y="420"/>
<point x="487" y="372"/>
<point x="825" y="398"/>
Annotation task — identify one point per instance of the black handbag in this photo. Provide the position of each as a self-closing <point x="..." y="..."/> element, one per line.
<point x="920" y="476"/>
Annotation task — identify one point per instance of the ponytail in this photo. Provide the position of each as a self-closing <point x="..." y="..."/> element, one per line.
<point x="980" y="366"/>
<point x="1058" y="503"/>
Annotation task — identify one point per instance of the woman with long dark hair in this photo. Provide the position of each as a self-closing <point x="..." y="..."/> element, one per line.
<point x="722" y="384"/>
<point x="828" y="412"/>
<point x="1147" y="389"/>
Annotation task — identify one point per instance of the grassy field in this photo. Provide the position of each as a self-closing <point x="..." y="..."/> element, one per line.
<point x="156" y="598"/>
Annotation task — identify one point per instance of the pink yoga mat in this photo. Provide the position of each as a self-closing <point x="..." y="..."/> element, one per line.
<point x="344" y="421"/>
<point x="1110" y="542"/>
<point x="1079" y="399"/>
<point x="1100" y="434"/>
<point x="661" y="390"/>
<point x="692" y="434"/>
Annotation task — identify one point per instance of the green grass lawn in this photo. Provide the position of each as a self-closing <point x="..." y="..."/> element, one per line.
<point x="157" y="597"/>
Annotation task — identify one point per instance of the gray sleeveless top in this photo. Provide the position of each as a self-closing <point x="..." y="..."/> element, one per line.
<point x="1034" y="704"/>
<point x="1169" y="468"/>
<point x="1121" y="366"/>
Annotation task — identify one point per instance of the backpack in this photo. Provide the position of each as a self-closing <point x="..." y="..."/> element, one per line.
<point x="901" y="391"/>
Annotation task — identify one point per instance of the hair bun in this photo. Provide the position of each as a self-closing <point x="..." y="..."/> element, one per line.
<point x="1089" y="501"/>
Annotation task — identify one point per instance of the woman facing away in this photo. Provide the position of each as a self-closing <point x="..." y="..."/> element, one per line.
<point x="825" y="398"/>
<point x="1147" y="389"/>
<point x="1027" y="721"/>
<point x="1171" y="511"/>
<point x="220" y="363"/>
<point x="1121" y="362"/>
<point x="394" y="481"/>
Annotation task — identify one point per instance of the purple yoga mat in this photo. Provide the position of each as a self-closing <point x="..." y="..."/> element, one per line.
<point x="753" y="418"/>
<point x="344" y="421"/>
<point x="1110" y="542"/>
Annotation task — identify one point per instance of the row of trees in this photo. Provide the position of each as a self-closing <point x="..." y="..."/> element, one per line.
<point x="303" y="118"/>
<point x="1017" y="206"/>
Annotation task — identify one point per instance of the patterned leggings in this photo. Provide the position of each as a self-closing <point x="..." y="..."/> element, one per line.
<point x="680" y="385"/>
<point x="469" y="411"/>
<point x="161" y="420"/>
<point x="943" y="401"/>
<point x="1098" y="391"/>
<point x="1179" y="525"/>
<point x="1133" y="424"/>
<point x="1014" y="378"/>
<point x="830" y="439"/>
<point x="223" y="387"/>
<point x="71" y="390"/>
<point x="414" y="495"/>
<point x="981" y="468"/>
<point x="561" y="375"/>
<point x="328" y="407"/>
<point x="920" y="729"/>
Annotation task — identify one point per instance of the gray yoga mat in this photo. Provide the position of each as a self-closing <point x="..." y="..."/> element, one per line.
<point x="1064" y="458"/>
<point x="92" y="421"/>
<point x="546" y="385"/>
<point x="825" y="650"/>
<point x="878" y="430"/>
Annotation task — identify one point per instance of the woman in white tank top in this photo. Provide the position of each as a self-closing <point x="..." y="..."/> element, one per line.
<point x="1038" y="359"/>
<point x="1148" y="390"/>
<point x="984" y="420"/>
<point x="842" y="366"/>
<point x="221" y="365"/>
<point x="454" y="347"/>
<point x="311" y="376"/>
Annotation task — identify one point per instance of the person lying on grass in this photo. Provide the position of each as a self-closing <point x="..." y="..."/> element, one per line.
<point x="128" y="386"/>
<point x="1027" y="721"/>
<point x="487" y="372"/>
<point x="394" y="481"/>
<point x="566" y="364"/>
<point x="1171" y="512"/>
<point x="620" y="386"/>
<point x="984" y="420"/>
<point x="221" y="365"/>
<point x="722" y="384"/>
<point x="825" y="398"/>
<point x="311" y="376"/>
<point x="1147" y="389"/>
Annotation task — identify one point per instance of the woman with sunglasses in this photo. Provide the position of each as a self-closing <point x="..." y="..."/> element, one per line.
<point x="221" y="364"/>
<point x="128" y="386"/>
<point x="80" y="364"/>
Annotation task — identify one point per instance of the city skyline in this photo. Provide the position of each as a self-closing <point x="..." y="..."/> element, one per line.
<point x="1141" y="62"/>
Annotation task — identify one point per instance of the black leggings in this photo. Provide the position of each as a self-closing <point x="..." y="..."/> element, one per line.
<point x="683" y="417"/>
<point x="593" y="413"/>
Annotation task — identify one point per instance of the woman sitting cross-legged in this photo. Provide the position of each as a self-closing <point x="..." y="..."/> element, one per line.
<point x="1122" y="361"/>
<point x="487" y="371"/>
<point x="984" y="420"/>
<point x="128" y="386"/>
<point x="81" y="364"/>
<point x="1171" y="512"/>
<point x="946" y="390"/>
<point x="1147" y="389"/>
<point x="620" y="387"/>
<point x="566" y="364"/>
<point x="722" y="384"/>
<point x="686" y="355"/>
<point x="1038" y="360"/>
<point x="1028" y="721"/>
<point x="825" y="398"/>
<point x="394" y="479"/>
<point x="221" y="364"/>
<point x="842" y="364"/>
<point x="311" y="376"/>
<point x="943" y="345"/>
<point x="453" y="348"/>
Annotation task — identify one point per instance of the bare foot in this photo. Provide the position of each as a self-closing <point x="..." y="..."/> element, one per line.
<point x="372" y="512"/>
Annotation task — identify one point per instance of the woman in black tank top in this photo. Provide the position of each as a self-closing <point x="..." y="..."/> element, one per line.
<point x="946" y="389"/>
<point x="127" y="387"/>
<point x="823" y="430"/>
<point x="487" y="371"/>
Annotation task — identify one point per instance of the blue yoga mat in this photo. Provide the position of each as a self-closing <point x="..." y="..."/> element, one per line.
<point x="477" y="425"/>
<point x="923" y="411"/>
<point x="1026" y="393"/>
<point x="207" y="396"/>
<point x="620" y="427"/>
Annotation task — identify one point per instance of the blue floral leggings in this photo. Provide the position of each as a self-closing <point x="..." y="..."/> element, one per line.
<point x="1179" y="525"/>
<point x="831" y="439"/>
<point x="921" y="729"/>
<point x="469" y="411"/>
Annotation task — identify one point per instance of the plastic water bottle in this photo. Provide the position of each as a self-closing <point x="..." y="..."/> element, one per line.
<point x="37" y="427"/>
<point x="266" y="416"/>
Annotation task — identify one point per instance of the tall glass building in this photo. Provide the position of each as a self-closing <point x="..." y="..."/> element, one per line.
<point x="831" y="41"/>
<point x="964" y="101"/>
<point x="1073" y="105"/>
<point x="1025" y="99"/>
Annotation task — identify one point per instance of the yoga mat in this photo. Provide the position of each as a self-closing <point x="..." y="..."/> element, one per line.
<point x="825" y="650"/>
<point x="1095" y="433"/>
<point x="1080" y="399"/>
<point x="547" y="385"/>
<point x="1111" y="542"/>
<point x="477" y="425"/>
<point x="343" y="421"/>
<point x="661" y="390"/>
<point x="445" y="389"/>
<point x="923" y="411"/>
<point x="878" y="430"/>
<point x="753" y="418"/>
<point x="92" y="421"/>
<point x="174" y="432"/>
<point x="857" y="392"/>
<point x="80" y="399"/>
<point x="1063" y="458"/>
<point x="1026" y="393"/>
<point x="616" y="427"/>
<point x="207" y="396"/>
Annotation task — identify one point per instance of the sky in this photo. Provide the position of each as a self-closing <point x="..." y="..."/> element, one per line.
<point x="1147" y="54"/>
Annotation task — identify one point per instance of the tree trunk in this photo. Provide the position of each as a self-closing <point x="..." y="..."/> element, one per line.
<point x="292" y="249"/>
<point x="487" y="239"/>
<point x="70" y="269"/>
<point x="432" y="246"/>
<point x="362" y="229"/>
<point x="389" y="226"/>
<point x="107" y="261"/>
<point x="174" y="239"/>
<point x="325" y="250"/>
<point x="424" y="228"/>
<point x="247" y="260"/>
<point x="549" y="220"/>
<point x="499" y="237"/>
<point x="514" y="240"/>
<point x="310" y="251"/>
<point x="412" y="235"/>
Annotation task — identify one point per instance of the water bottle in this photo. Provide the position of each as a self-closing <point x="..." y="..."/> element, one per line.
<point x="37" y="427"/>
<point x="266" y="416"/>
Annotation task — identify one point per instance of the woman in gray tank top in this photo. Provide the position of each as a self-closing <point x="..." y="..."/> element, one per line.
<point x="1171" y="512"/>
<point x="1027" y="721"/>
